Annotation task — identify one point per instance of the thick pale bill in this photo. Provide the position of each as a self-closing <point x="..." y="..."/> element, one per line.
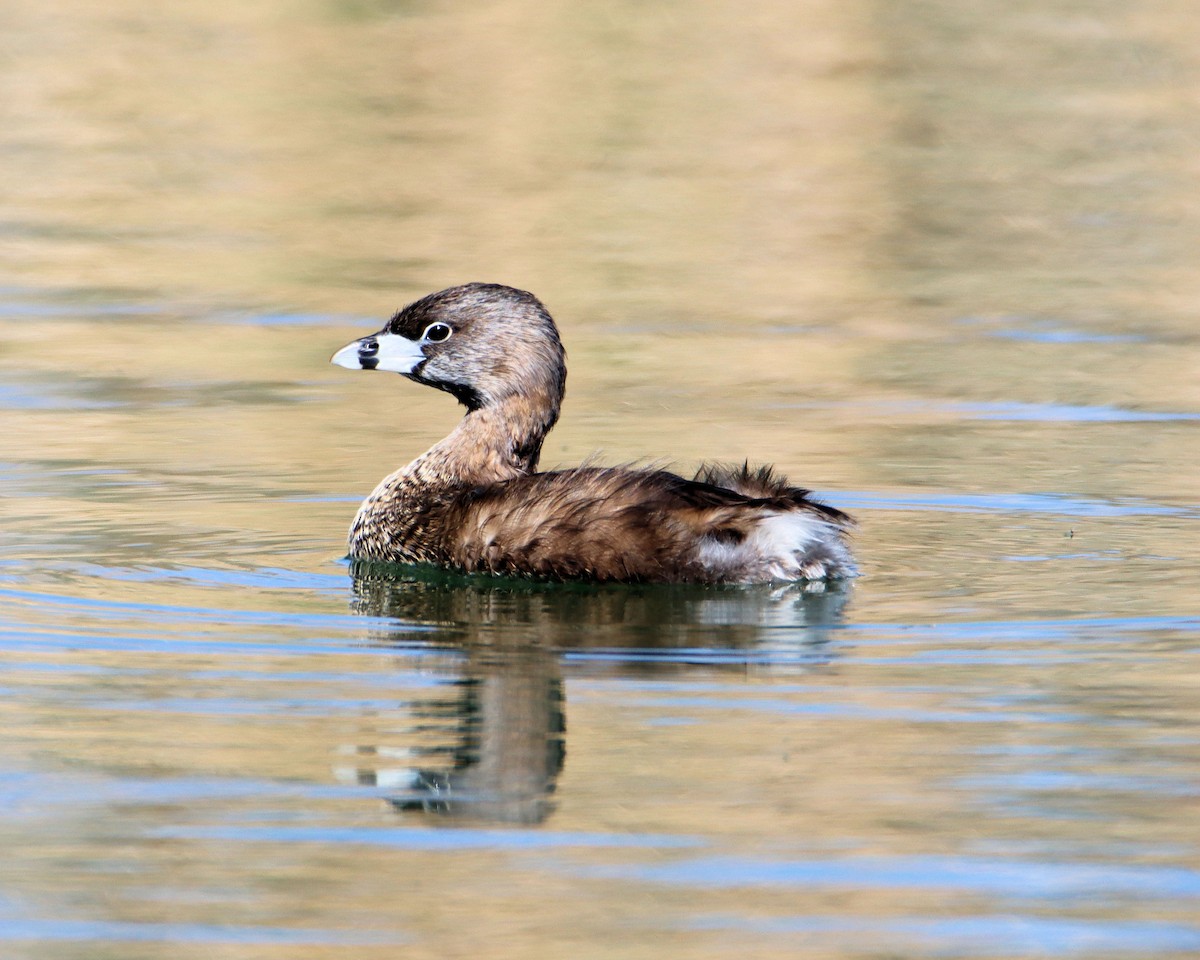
<point x="380" y="351"/>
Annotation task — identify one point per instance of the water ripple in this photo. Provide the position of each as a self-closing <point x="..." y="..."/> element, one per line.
<point x="994" y="876"/>
<point x="977" y="935"/>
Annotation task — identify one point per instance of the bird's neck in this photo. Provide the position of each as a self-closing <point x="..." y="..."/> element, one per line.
<point x="491" y="444"/>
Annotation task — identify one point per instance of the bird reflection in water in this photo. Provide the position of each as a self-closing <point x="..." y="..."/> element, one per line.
<point x="489" y="744"/>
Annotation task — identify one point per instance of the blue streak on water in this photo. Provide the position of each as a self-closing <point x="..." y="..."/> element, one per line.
<point x="980" y="935"/>
<point x="977" y="875"/>
<point x="23" y="308"/>
<point x="33" y="479"/>
<point x="415" y="838"/>
<point x="165" y="613"/>
<point x="1062" y="335"/>
<point x="13" y="397"/>
<point x="175" y="645"/>
<point x="228" y="707"/>
<point x="33" y="793"/>
<point x="1065" y="336"/>
<point x="843" y="710"/>
<point x="1089" y="784"/>
<point x="1009" y="410"/>
<point x="267" y="577"/>
<point x="98" y="931"/>
<point x="1043" y="331"/>
<point x="272" y="673"/>
<point x="1047" y="503"/>
<point x="1114" y="629"/>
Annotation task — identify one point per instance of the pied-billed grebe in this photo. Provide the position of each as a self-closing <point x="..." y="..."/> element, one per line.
<point x="476" y="502"/>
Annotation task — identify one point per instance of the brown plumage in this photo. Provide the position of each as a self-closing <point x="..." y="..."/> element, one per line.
<point x="475" y="501"/>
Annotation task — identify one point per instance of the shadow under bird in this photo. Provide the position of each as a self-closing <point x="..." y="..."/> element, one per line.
<point x="476" y="501"/>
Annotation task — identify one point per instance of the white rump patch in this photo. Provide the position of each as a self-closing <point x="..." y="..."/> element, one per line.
<point x="782" y="546"/>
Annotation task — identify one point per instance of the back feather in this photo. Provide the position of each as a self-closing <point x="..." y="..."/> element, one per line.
<point x="728" y="525"/>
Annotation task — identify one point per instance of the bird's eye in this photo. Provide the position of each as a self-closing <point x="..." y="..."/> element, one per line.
<point x="437" y="332"/>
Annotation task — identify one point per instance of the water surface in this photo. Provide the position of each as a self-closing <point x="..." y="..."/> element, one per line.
<point x="934" y="260"/>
